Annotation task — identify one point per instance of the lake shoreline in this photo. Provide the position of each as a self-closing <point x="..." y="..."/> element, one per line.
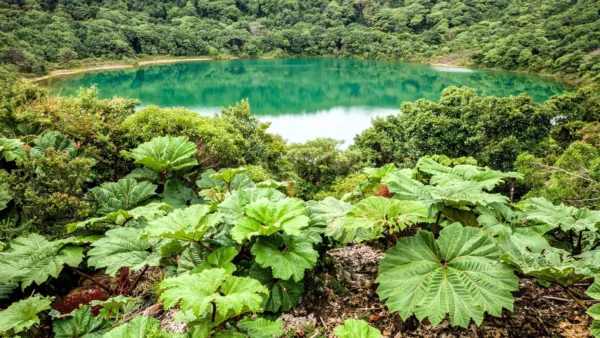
<point x="111" y="65"/>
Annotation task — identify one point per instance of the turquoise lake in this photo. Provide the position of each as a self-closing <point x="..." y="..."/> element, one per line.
<point x="303" y="98"/>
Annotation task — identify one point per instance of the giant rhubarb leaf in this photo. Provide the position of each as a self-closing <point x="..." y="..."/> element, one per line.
<point x="35" y="259"/>
<point x="261" y="328"/>
<point x="233" y="207"/>
<point x="264" y="218"/>
<point x="219" y="258"/>
<point x="565" y="217"/>
<point x="136" y="217"/>
<point x="454" y="194"/>
<point x="374" y="215"/>
<point x="443" y="175"/>
<point x="213" y="295"/>
<point x="11" y="149"/>
<point x="52" y="139"/>
<point x="594" y="311"/>
<point x="81" y="324"/>
<point x="122" y="247"/>
<point x="23" y="314"/>
<point x="138" y="327"/>
<point x="458" y="274"/>
<point x="287" y="256"/>
<point x="333" y="212"/>
<point x="5" y="196"/>
<point x="188" y="224"/>
<point x="552" y="264"/>
<point x="284" y="294"/>
<point x="356" y="329"/>
<point x="124" y="194"/>
<point x="165" y="153"/>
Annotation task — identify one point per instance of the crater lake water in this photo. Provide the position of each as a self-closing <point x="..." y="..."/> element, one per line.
<point x="303" y="98"/>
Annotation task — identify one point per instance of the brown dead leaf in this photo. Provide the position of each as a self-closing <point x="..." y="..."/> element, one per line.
<point x="374" y="318"/>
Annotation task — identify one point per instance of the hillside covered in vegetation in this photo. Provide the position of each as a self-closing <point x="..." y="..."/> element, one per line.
<point x="548" y="36"/>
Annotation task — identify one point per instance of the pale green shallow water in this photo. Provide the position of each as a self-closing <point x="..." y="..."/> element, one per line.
<point x="303" y="98"/>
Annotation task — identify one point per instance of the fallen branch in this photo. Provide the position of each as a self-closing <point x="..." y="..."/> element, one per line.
<point x="577" y="300"/>
<point x="558" y="299"/>
<point x="137" y="279"/>
<point x="90" y="278"/>
<point x="323" y="322"/>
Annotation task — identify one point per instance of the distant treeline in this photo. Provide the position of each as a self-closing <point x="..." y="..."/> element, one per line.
<point x="550" y="36"/>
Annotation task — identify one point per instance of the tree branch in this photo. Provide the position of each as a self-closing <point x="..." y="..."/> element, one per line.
<point x="137" y="279"/>
<point x="577" y="300"/>
<point x="90" y="278"/>
<point x="568" y="173"/>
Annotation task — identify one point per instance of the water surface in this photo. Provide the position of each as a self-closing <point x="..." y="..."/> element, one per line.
<point x="303" y="98"/>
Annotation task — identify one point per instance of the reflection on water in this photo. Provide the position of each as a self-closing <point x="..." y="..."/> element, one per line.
<point x="304" y="98"/>
<point x="340" y="123"/>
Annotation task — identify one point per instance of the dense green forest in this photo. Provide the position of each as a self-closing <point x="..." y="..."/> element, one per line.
<point x="555" y="37"/>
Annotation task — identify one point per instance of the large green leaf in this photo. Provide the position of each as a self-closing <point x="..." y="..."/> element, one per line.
<point x="261" y="328"/>
<point x="219" y="258"/>
<point x="454" y="194"/>
<point x="594" y="311"/>
<point x="6" y="288"/>
<point x="374" y="215"/>
<point x="122" y="247"/>
<point x="227" y="175"/>
<point x="565" y="217"/>
<point x="264" y="218"/>
<point x="111" y="307"/>
<point x="444" y="175"/>
<point x="188" y="224"/>
<point x="54" y="140"/>
<point x="192" y="256"/>
<point x="200" y="294"/>
<point x="552" y="265"/>
<point x="138" y="327"/>
<point x="375" y="176"/>
<point x="499" y="219"/>
<point x="34" y="259"/>
<point x="179" y="195"/>
<point x="381" y="172"/>
<point x="287" y="256"/>
<point x="207" y="181"/>
<point x="234" y="205"/>
<point x="333" y="212"/>
<point x="136" y="217"/>
<point x="283" y="295"/>
<point x="81" y="324"/>
<point x="356" y="329"/>
<point x="457" y="275"/>
<point x="122" y="195"/>
<point x="11" y="149"/>
<point x="225" y="180"/>
<point x="144" y="174"/>
<point x="165" y="153"/>
<point x="23" y="314"/>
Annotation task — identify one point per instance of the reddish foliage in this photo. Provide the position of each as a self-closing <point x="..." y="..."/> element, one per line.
<point x="79" y="297"/>
<point x="123" y="281"/>
<point x="384" y="192"/>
